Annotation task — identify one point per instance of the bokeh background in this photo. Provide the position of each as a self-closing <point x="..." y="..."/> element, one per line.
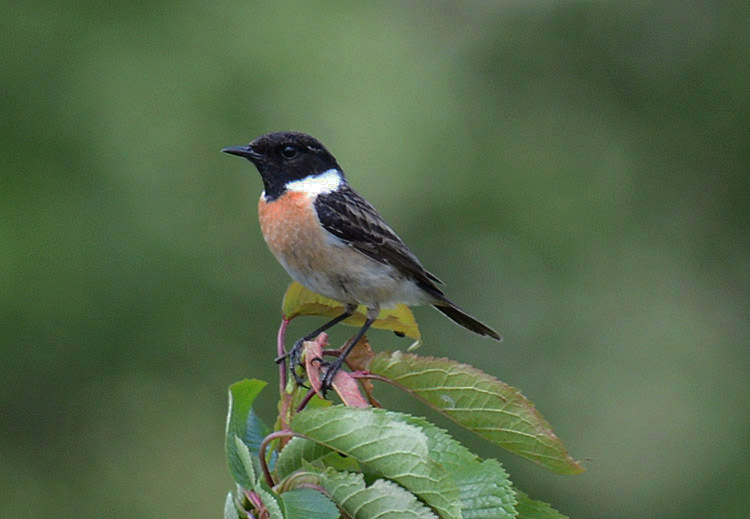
<point x="577" y="172"/>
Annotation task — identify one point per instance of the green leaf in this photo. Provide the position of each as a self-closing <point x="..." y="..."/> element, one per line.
<point x="248" y="463"/>
<point x="382" y="500"/>
<point x="484" y="487"/>
<point x="443" y="448"/>
<point x="297" y="451"/>
<point x="242" y="423"/>
<point x="255" y="432"/>
<point x="230" y="511"/>
<point x="387" y="447"/>
<point x="485" y="491"/>
<point x="531" y="509"/>
<point x="480" y="403"/>
<point x="272" y="505"/>
<point x="300" y="301"/>
<point x="306" y="503"/>
<point x="301" y="450"/>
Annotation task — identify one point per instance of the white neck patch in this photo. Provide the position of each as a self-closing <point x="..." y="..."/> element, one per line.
<point x="315" y="185"/>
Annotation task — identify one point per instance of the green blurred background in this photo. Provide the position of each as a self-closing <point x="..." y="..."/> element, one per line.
<point x="577" y="172"/>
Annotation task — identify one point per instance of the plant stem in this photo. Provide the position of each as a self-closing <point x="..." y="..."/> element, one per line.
<point x="262" y="454"/>
<point x="281" y="353"/>
<point x="305" y="400"/>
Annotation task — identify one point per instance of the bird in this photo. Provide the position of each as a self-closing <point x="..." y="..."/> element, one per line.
<point x="334" y="242"/>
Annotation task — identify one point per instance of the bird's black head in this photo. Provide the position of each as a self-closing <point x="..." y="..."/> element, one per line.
<point x="282" y="157"/>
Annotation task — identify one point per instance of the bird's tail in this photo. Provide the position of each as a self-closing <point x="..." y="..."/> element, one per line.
<point x="458" y="316"/>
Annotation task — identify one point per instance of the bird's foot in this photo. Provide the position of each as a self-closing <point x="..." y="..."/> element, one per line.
<point x="295" y="361"/>
<point x="330" y="369"/>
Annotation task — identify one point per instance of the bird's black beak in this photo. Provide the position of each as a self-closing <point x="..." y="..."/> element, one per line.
<point x="243" y="151"/>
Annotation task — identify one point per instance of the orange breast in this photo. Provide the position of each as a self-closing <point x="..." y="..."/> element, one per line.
<point x="294" y="235"/>
<point x="289" y="224"/>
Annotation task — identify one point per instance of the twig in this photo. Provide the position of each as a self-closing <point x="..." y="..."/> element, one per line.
<point x="255" y="500"/>
<point x="305" y="400"/>
<point x="281" y="352"/>
<point x="263" y="445"/>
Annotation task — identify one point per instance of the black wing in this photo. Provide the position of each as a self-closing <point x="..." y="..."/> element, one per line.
<point x="348" y="216"/>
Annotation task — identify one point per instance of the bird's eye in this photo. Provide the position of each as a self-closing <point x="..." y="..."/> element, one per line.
<point x="288" y="152"/>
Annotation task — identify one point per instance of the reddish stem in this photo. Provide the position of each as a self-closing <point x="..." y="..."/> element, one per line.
<point x="254" y="499"/>
<point x="263" y="446"/>
<point x="281" y="352"/>
<point x="305" y="400"/>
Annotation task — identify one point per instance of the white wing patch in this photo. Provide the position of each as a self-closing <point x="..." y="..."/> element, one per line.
<point x="315" y="185"/>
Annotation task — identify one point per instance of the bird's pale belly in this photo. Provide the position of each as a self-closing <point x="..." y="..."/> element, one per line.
<point x="325" y="264"/>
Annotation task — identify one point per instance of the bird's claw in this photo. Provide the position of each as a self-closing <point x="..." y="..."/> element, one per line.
<point x="295" y="360"/>
<point x="332" y="368"/>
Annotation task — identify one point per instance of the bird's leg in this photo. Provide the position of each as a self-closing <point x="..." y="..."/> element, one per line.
<point x="296" y="352"/>
<point x="334" y="366"/>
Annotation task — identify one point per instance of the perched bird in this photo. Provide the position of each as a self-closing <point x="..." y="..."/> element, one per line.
<point x="332" y="241"/>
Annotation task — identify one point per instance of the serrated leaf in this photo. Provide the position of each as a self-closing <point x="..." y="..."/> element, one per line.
<point x="480" y="403"/>
<point x="301" y="451"/>
<point x="485" y="491"/>
<point x="242" y="423"/>
<point x="300" y="301"/>
<point x="270" y="502"/>
<point x="243" y="453"/>
<point x="484" y="487"/>
<point x="306" y="503"/>
<point x="230" y="511"/>
<point x="443" y="448"/>
<point x="382" y="500"/>
<point x="298" y="451"/>
<point x="388" y="447"/>
<point x="528" y="508"/>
